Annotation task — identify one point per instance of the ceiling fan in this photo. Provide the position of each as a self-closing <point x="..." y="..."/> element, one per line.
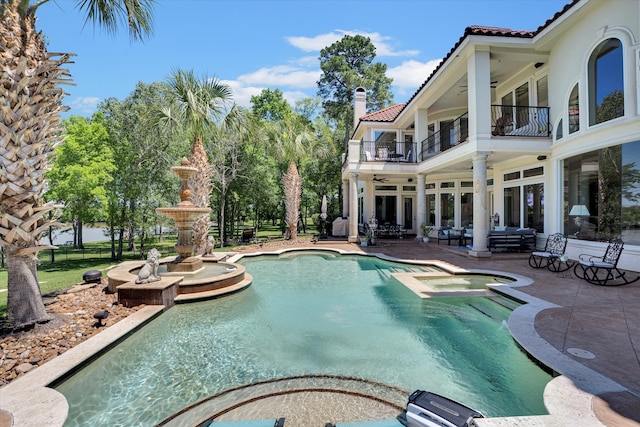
<point x="381" y="179"/>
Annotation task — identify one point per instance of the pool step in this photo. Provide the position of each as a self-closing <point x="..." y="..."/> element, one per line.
<point x="391" y="422"/>
<point x="214" y="293"/>
<point x="492" y="310"/>
<point x="384" y="273"/>
<point x="246" y="423"/>
<point x="506" y="302"/>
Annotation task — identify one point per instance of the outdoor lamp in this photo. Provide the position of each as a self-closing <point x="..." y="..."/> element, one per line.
<point x="579" y="212"/>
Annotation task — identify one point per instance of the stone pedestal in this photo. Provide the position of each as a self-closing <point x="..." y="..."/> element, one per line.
<point x="163" y="292"/>
<point x="186" y="265"/>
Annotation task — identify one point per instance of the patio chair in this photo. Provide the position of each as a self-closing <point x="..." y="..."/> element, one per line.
<point x="551" y="256"/>
<point x="248" y="235"/>
<point x="603" y="270"/>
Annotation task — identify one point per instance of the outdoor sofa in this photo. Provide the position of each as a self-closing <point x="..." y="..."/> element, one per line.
<point x="512" y="239"/>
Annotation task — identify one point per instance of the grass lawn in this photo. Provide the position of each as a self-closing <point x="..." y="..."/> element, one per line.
<point x="71" y="264"/>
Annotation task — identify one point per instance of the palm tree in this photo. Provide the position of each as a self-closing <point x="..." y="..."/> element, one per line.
<point x="197" y="106"/>
<point x="291" y="142"/>
<point x="30" y="105"/>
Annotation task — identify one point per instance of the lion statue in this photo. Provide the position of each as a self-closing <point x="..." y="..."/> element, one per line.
<point x="208" y="249"/>
<point x="149" y="272"/>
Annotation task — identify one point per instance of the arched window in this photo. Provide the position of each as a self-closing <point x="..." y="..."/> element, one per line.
<point x="574" y="110"/>
<point x="559" y="131"/>
<point x="606" y="84"/>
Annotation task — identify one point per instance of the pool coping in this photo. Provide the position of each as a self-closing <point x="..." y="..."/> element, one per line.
<point x="568" y="397"/>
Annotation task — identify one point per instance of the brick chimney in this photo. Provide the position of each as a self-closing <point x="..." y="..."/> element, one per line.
<point x="359" y="105"/>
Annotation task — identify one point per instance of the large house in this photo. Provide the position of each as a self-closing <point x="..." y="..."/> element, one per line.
<point x="527" y="129"/>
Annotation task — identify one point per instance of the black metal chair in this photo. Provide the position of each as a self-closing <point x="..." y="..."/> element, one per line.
<point x="552" y="255"/>
<point x="603" y="270"/>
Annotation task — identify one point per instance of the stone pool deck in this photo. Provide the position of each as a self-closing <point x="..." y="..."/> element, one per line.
<point x="590" y="334"/>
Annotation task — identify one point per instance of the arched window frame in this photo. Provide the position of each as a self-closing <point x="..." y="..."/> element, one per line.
<point x="592" y="82"/>
<point x="573" y="109"/>
<point x="559" y="129"/>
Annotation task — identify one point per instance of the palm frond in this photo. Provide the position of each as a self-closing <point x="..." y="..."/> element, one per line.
<point x="137" y="14"/>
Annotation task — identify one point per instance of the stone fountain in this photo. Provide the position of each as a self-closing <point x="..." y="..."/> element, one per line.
<point x="184" y="215"/>
<point x="186" y="278"/>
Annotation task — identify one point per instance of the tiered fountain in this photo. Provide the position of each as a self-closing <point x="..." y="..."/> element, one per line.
<point x="184" y="278"/>
<point x="184" y="214"/>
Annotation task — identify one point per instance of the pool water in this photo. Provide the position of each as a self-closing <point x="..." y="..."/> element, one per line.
<point x="312" y="313"/>
<point x="463" y="282"/>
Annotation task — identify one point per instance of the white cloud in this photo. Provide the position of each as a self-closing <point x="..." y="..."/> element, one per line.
<point x="242" y="94"/>
<point x="84" y="105"/>
<point x="294" y="96"/>
<point x="282" y="75"/>
<point x="319" y="42"/>
<point x="409" y="75"/>
<point x="316" y="43"/>
<point x="297" y="78"/>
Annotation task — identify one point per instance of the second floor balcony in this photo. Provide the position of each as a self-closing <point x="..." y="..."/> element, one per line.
<point x="507" y="122"/>
<point x="388" y="151"/>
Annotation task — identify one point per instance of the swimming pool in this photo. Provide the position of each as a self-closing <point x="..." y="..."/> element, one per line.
<point x="312" y="313"/>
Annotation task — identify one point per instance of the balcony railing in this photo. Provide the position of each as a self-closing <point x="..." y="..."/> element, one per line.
<point x="513" y="120"/>
<point x="387" y="151"/>
<point x="450" y="134"/>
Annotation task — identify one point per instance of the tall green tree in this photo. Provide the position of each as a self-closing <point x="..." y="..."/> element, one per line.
<point x="31" y="103"/>
<point x="198" y="105"/>
<point x="346" y="65"/>
<point x="270" y="105"/>
<point x="81" y="172"/>
<point x="144" y="153"/>
<point x="225" y="146"/>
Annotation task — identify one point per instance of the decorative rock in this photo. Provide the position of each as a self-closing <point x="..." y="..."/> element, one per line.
<point x="23" y="368"/>
<point x="71" y="325"/>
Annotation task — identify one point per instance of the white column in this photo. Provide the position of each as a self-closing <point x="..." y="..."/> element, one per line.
<point x="480" y="216"/>
<point x="345" y="198"/>
<point x="421" y="123"/>
<point x="421" y="216"/>
<point x="369" y="205"/>
<point x="479" y="93"/>
<point x="353" y="207"/>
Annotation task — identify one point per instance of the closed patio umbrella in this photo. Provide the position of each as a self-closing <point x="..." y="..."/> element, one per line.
<point x="323" y="217"/>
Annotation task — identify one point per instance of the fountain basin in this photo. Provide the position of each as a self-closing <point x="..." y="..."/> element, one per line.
<point x="210" y="281"/>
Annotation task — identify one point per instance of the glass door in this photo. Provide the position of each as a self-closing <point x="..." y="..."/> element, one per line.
<point x="408" y="214"/>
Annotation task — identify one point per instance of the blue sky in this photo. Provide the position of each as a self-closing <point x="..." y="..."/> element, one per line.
<point x="257" y="44"/>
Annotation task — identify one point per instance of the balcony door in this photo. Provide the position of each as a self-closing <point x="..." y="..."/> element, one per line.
<point x="386" y="209"/>
<point x="408" y="214"/>
<point x="522" y="106"/>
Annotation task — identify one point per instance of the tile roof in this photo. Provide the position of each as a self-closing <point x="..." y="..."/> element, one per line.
<point x="388" y="114"/>
<point x="474" y="30"/>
